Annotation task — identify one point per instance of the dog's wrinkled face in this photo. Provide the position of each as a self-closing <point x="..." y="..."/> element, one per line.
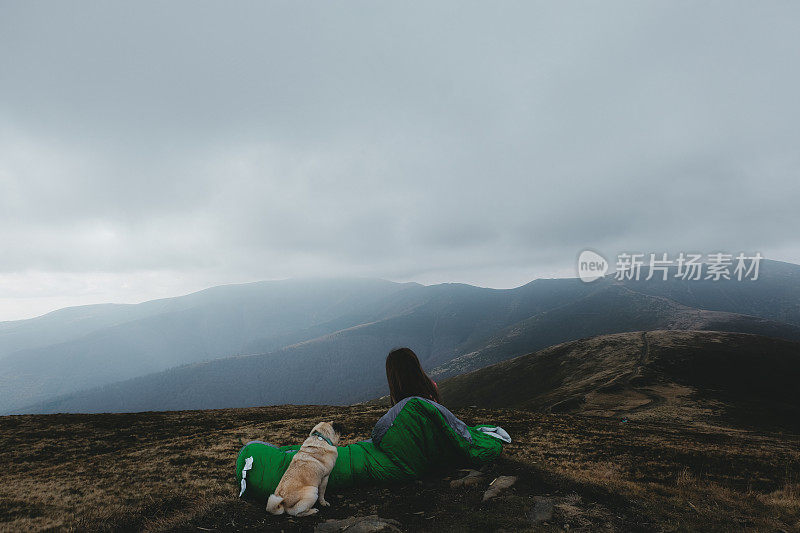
<point x="332" y="430"/>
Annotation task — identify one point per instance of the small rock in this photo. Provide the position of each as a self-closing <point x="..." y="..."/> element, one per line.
<point x="542" y="510"/>
<point x="499" y="484"/>
<point x="359" y="524"/>
<point x="473" y="477"/>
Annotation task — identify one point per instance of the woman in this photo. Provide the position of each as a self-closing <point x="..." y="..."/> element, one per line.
<point x="406" y="377"/>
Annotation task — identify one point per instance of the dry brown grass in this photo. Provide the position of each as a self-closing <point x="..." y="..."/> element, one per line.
<point x="174" y="471"/>
<point x="680" y="476"/>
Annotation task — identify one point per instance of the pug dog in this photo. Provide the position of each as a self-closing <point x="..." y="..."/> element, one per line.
<point x="306" y="477"/>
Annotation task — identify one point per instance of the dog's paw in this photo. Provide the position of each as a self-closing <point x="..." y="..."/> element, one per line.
<point x="324" y="503"/>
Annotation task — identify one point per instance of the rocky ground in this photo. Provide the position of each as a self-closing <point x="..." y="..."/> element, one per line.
<point x="174" y="471"/>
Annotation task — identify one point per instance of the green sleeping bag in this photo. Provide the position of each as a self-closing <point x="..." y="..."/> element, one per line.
<point x="413" y="437"/>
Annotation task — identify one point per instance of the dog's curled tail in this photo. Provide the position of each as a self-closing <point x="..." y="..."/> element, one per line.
<point x="275" y="504"/>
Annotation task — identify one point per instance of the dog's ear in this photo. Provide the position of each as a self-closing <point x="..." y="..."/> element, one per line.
<point x="338" y="428"/>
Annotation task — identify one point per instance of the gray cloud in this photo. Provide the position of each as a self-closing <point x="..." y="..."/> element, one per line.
<point x="456" y="142"/>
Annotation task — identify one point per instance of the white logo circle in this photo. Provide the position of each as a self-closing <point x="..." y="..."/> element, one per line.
<point x="591" y="266"/>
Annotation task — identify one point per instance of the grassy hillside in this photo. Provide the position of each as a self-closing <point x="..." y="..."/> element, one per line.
<point x="174" y="471"/>
<point x="658" y="375"/>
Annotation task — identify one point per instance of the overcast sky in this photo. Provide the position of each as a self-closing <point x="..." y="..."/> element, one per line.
<point x="150" y="149"/>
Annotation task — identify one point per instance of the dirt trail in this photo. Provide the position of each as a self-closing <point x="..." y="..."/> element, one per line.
<point x="655" y="399"/>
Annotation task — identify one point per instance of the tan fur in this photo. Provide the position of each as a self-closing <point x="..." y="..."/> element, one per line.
<point x="306" y="478"/>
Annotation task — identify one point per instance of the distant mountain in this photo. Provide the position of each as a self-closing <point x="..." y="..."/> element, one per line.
<point x="324" y="341"/>
<point x="666" y="375"/>
<point x="340" y="367"/>
<point x="613" y="308"/>
<point x="79" y="348"/>
<point x="775" y="295"/>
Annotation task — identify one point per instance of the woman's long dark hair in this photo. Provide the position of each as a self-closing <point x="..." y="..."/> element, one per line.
<point x="406" y="377"/>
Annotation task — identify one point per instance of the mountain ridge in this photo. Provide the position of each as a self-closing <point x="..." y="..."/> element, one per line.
<point x="453" y="328"/>
<point x="211" y="383"/>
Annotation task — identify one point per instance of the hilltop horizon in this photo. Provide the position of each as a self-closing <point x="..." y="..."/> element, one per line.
<point x="206" y="287"/>
<point x="400" y="281"/>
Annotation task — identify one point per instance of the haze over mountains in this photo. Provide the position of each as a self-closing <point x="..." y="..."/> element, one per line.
<point x="82" y="347"/>
<point x="323" y="341"/>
